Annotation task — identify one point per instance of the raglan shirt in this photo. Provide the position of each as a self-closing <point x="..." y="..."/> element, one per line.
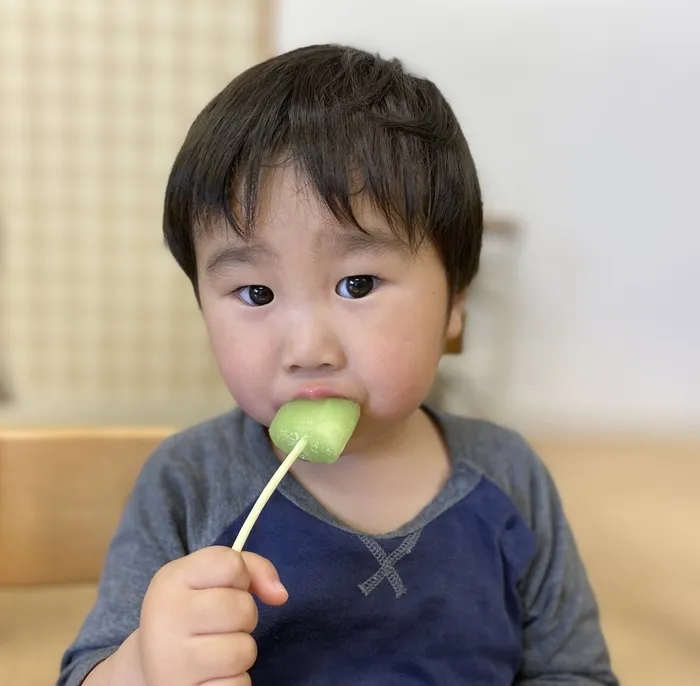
<point x="485" y="586"/>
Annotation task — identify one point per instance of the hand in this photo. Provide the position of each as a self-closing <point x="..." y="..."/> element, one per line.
<point x="198" y="615"/>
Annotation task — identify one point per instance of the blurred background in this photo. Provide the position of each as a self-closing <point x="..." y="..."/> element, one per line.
<point x="582" y="118"/>
<point x="583" y="326"/>
<point x="98" y="325"/>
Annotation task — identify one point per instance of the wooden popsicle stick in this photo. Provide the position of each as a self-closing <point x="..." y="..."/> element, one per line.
<point x="266" y="494"/>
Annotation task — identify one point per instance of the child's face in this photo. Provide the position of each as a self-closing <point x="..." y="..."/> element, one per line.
<point x="310" y="308"/>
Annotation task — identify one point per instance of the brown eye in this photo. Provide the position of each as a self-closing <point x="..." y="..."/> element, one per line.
<point x="256" y="296"/>
<point x="355" y="287"/>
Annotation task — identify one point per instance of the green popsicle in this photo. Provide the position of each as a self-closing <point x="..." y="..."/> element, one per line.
<point x="326" y="424"/>
<point x="317" y="430"/>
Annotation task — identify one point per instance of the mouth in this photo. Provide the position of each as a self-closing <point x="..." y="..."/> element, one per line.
<point x="317" y="393"/>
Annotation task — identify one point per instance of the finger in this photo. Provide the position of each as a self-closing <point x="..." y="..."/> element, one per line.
<point x="215" y="567"/>
<point x="221" y="611"/>
<point x="264" y="580"/>
<point x="219" y="656"/>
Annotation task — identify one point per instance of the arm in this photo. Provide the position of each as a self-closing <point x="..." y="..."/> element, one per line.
<point x="563" y="640"/>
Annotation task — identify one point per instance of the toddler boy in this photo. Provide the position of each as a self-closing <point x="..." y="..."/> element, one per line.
<point x="326" y="207"/>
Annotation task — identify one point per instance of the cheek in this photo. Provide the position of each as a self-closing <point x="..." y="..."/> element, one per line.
<point x="241" y="363"/>
<point x="400" y="362"/>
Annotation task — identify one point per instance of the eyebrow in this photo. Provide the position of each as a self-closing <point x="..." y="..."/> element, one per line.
<point x="356" y="243"/>
<point x="237" y="255"/>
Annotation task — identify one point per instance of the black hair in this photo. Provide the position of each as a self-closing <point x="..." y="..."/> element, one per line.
<point x="350" y="122"/>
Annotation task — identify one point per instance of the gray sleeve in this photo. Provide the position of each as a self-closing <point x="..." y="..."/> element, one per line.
<point x="150" y="534"/>
<point x="563" y="640"/>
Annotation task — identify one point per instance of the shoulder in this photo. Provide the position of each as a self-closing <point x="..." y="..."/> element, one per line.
<point x="214" y="433"/>
<point x="514" y="493"/>
<point x="228" y="440"/>
<point x="503" y="457"/>
<point x="206" y="474"/>
<point x="189" y="453"/>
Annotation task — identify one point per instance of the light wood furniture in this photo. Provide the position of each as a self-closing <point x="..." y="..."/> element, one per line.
<point x="61" y="495"/>
<point x="634" y="506"/>
<point x="635" y="509"/>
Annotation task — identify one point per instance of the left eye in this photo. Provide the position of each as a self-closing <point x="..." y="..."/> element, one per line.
<point x="356" y="286"/>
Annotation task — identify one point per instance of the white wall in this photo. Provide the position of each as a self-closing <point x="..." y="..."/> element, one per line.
<point x="584" y="120"/>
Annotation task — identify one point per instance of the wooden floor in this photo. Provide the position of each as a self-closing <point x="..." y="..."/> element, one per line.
<point x="635" y="509"/>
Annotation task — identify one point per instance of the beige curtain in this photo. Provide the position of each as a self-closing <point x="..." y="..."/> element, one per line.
<point x="99" y="326"/>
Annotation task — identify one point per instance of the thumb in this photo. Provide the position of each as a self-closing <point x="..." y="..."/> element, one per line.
<point x="264" y="580"/>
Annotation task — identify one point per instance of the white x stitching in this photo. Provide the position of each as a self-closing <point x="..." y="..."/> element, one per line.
<point x="386" y="563"/>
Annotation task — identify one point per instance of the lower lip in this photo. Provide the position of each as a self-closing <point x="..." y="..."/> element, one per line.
<point x="317" y="394"/>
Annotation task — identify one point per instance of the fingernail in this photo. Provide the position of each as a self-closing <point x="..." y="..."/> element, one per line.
<point x="279" y="586"/>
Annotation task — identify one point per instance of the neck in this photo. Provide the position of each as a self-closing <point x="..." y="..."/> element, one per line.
<point x="382" y="487"/>
<point x="377" y="444"/>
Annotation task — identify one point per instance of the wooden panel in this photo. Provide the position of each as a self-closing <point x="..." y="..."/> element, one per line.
<point x="61" y="496"/>
<point x="454" y="346"/>
<point x="634" y="509"/>
<point x="37" y="624"/>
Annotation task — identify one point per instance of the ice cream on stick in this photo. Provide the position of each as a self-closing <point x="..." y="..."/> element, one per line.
<point x="315" y="430"/>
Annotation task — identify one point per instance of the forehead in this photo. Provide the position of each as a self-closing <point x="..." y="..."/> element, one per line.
<point x="290" y="209"/>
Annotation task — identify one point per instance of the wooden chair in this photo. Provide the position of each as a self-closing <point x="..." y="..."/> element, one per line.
<point x="61" y="496"/>
<point x="634" y="507"/>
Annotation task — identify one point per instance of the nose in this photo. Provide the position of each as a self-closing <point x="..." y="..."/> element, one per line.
<point x="311" y="344"/>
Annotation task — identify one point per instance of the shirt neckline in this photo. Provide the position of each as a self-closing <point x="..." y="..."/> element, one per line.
<point x="463" y="478"/>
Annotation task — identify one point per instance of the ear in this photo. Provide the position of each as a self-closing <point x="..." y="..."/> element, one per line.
<point x="456" y="316"/>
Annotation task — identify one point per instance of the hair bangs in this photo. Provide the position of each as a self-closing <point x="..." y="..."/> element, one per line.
<point x="354" y="127"/>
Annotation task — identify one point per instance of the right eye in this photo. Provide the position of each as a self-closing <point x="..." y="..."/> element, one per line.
<point x="255" y="296"/>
